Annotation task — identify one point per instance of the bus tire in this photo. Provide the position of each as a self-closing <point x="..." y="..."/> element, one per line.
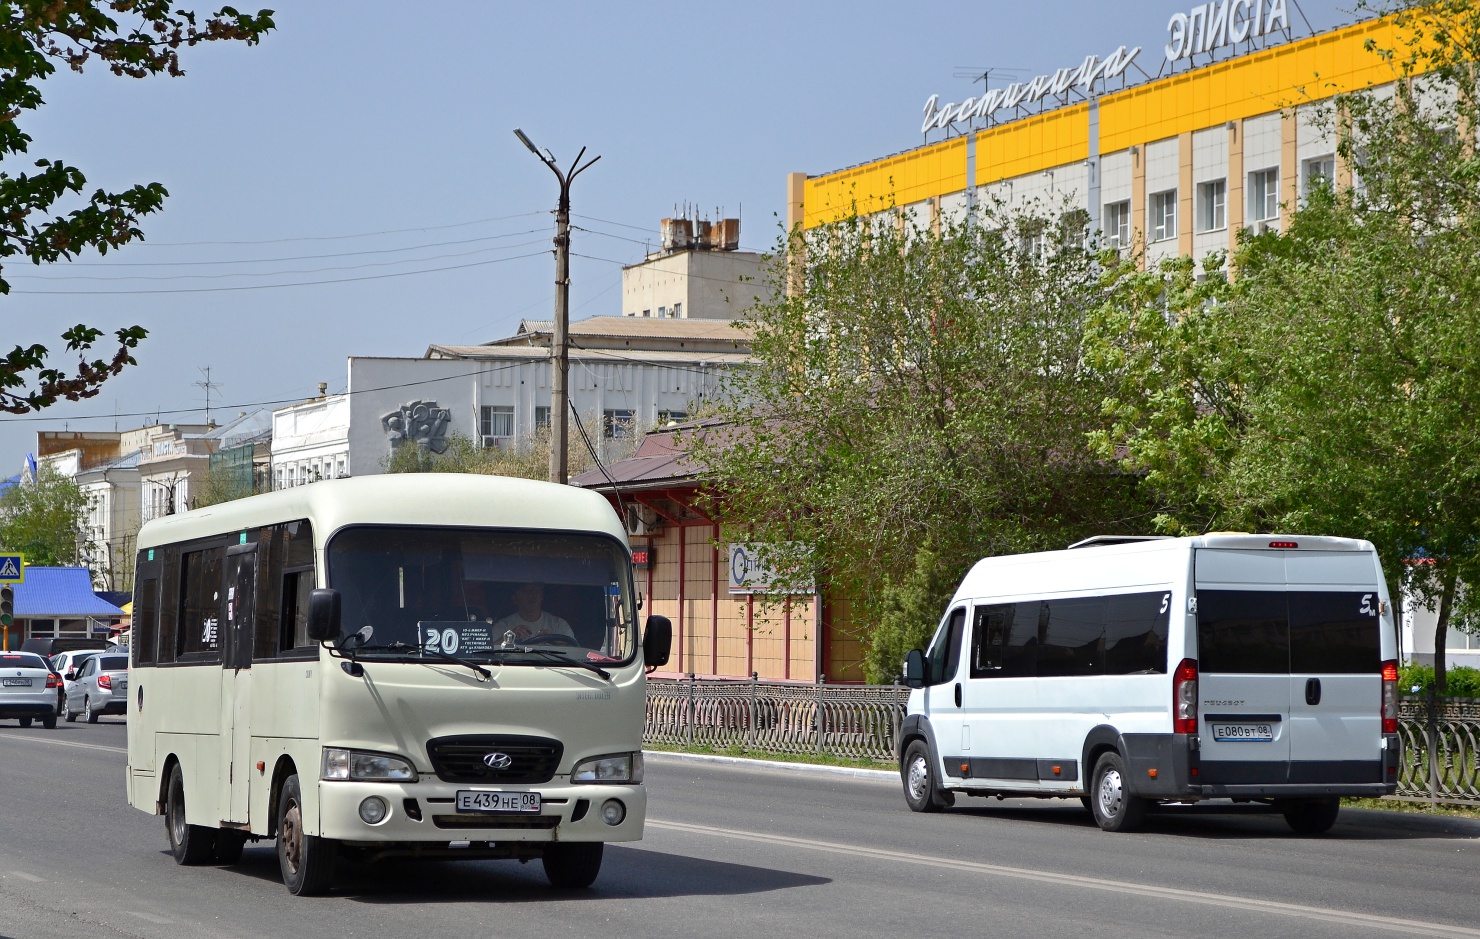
<point x="190" y="844"/>
<point x="1114" y="808"/>
<point x="921" y="787"/>
<point x="307" y="861"/>
<point x="1311" y="816"/>
<point x="572" y="865"/>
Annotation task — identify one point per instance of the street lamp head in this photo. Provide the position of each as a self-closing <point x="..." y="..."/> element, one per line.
<point x="528" y="143"/>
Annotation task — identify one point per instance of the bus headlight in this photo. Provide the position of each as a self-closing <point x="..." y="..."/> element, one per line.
<point x="613" y="768"/>
<point x="357" y="764"/>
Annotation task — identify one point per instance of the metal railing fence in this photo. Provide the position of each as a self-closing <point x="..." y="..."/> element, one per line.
<point x="1440" y="736"/>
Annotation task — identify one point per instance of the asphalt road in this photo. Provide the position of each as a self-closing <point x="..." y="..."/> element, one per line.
<point x="739" y="851"/>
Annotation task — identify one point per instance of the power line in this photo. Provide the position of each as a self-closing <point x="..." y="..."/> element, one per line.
<point x="308" y="283"/>
<point x="372" y="234"/>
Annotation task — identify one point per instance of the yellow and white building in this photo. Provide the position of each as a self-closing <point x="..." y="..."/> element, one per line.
<point x="1181" y="162"/>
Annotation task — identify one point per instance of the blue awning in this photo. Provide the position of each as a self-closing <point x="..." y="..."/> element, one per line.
<point x="60" y="592"/>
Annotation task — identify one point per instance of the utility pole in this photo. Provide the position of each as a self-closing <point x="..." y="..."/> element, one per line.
<point x="560" y="342"/>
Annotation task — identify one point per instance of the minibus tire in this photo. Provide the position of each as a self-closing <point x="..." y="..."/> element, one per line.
<point x="921" y="787"/>
<point x="189" y="844"/>
<point x="1114" y="808"/>
<point x="1311" y="816"/>
<point x="572" y="865"/>
<point x="307" y="861"/>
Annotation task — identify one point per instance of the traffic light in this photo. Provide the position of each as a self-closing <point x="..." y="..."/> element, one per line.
<point x="7" y="604"/>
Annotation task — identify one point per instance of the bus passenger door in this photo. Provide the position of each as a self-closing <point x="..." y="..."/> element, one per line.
<point x="236" y="678"/>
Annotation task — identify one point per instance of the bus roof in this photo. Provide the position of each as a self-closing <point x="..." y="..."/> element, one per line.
<point x="454" y="500"/>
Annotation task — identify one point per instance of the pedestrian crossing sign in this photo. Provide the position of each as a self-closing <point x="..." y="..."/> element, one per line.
<point x="12" y="568"/>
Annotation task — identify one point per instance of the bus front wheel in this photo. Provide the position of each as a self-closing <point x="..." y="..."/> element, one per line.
<point x="573" y="864"/>
<point x="190" y="844"/>
<point x="307" y="861"/>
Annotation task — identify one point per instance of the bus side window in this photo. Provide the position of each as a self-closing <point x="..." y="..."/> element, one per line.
<point x="146" y="614"/>
<point x="293" y="627"/>
<point x="988" y="639"/>
<point x="171" y="597"/>
<point x="201" y="618"/>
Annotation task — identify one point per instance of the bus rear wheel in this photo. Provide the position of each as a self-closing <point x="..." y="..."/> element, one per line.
<point x="573" y="864"/>
<point x="1311" y="816"/>
<point x="190" y="844"/>
<point x="307" y="861"/>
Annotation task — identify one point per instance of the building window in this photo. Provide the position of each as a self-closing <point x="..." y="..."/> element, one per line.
<point x="542" y="414"/>
<point x="1264" y="195"/>
<point x="672" y="417"/>
<point x="1118" y="224"/>
<point x="617" y="424"/>
<point x="496" y="424"/>
<point x="1164" y="215"/>
<point x="1212" y="205"/>
<point x="678" y="311"/>
<point x="1319" y="171"/>
<point x="647" y="312"/>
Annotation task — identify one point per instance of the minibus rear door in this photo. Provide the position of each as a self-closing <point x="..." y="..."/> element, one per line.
<point x="1243" y="685"/>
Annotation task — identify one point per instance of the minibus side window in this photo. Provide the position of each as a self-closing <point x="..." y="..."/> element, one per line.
<point x="945" y="658"/>
<point x="989" y="631"/>
<point x="282" y="606"/>
<point x="1136" y="633"/>
<point x="1071" y="638"/>
<point x="146" y="613"/>
<point x="169" y="604"/>
<point x="201" y="616"/>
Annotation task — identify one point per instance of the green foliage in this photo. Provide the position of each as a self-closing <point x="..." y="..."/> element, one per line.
<point x="45" y="520"/>
<point x="915" y="385"/>
<point x="44" y="215"/>
<point x="1463" y="682"/>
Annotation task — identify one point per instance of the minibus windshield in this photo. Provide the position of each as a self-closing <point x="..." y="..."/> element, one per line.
<point x="485" y="594"/>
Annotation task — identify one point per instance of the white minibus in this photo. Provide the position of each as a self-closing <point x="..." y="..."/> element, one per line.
<point x="1128" y="671"/>
<point x="419" y="665"/>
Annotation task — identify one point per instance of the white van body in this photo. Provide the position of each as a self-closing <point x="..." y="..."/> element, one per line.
<point x="1046" y="662"/>
<point x="227" y="692"/>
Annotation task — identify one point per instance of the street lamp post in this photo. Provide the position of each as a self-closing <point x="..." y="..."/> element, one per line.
<point x="559" y="343"/>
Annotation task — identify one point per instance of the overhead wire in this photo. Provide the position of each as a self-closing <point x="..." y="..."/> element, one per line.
<point x="373" y="234"/>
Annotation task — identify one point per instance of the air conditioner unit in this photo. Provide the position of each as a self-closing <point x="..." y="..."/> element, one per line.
<point x="642" y="521"/>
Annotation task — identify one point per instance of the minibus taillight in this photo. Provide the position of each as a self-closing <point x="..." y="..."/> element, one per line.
<point x="1390" y="696"/>
<point x="1184" y="698"/>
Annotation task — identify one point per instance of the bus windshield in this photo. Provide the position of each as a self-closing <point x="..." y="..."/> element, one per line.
<point x="485" y="593"/>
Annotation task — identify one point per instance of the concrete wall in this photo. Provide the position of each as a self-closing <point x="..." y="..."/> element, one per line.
<point x="704" y="284"/>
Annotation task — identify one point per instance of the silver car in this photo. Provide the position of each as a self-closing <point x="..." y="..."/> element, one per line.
<point x="69" y="663"/>
<point x="28" y="689"/>
<point x="100" y="687"/>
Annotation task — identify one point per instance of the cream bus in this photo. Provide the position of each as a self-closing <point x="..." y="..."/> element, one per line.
<point x="421" y="665"/>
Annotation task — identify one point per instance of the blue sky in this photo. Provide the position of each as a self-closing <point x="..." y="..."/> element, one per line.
<point x="381" y="133"/>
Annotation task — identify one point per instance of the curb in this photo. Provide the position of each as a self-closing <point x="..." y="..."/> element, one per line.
<point x="878" y="775"/>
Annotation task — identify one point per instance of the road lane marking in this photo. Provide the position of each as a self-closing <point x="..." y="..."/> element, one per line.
<point x="64" y="743"/>
<point x="1342" y="917"/>
<point x="24" y="876"/>
<point x="150" y="917"/>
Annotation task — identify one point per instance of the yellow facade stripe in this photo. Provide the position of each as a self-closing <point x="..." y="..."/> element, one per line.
<point x="896" y="181"/>
<point x="1050" y="139"/>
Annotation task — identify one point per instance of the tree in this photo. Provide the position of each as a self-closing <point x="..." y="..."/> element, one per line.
<point x="527" y="457"/>
<point x="918" y="402"/>
<point x="46" y="520"/>
<point x="132" y="38"/>
<point x="1331" y="386"/>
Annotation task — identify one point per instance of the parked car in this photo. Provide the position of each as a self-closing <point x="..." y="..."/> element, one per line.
<point x="69" y="664"/>
<point x="46" y="647"/>
<point x="27" y="689"/>
<point x="101" y="687"/>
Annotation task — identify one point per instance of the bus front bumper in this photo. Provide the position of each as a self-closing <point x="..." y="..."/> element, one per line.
<point x="568" y="813"/>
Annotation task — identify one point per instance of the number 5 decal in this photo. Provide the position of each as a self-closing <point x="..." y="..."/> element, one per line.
<point x="1166" y="601"/>
<point x="1366" y="609"/>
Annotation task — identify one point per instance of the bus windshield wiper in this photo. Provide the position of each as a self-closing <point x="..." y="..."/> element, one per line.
<point x="558" y="658"/>
<point x="399" y="646"/>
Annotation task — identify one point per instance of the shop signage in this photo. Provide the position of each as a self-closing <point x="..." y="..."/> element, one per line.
<point x="751" y="571"/>
<point x="1204" y="28"/>
<point x="642" y="556"/>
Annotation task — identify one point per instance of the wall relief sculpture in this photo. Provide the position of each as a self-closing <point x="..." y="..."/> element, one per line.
<point x="418" y="422"/>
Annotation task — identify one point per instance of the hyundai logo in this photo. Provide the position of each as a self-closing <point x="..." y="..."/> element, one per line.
<point x="497" y="760"/>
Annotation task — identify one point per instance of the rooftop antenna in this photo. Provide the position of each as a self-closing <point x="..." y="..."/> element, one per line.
<point x="207" y="384"/>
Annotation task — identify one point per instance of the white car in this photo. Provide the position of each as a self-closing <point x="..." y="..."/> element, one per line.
<point x="101" y="688"/>
<point x="68" y="664"/>
<point x="28" y="689"/>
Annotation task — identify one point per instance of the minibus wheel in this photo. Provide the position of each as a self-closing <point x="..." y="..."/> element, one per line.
<point x="307" y="861"/>
<point x="190" y="844"/>
<point x="1114" y="808"/>
<point x="921" y="787"/>
<point x="1311" y="816"/>
<point x="572" y="864"/>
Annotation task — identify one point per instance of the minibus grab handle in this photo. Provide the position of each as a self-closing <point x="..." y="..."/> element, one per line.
<point x="323" y="615"/>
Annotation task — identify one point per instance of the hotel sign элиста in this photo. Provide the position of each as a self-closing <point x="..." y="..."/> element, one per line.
<point x="1205" y="27"/>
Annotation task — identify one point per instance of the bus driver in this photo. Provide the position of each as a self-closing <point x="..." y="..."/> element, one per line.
<point x="529" y="619"/>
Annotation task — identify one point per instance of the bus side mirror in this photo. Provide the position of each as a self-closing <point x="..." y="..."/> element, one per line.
<point x="323" y="615"/>
<point x="914" y="669"/>
<point x="657" y="641"/>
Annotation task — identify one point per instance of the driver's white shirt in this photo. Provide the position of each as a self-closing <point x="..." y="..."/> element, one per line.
<point x="548" y="624"/>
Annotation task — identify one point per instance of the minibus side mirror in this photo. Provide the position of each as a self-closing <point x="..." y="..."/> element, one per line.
<point x="914" y="669"/>
<point x="323" y="615"/>
<point x="657" y="641"/>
